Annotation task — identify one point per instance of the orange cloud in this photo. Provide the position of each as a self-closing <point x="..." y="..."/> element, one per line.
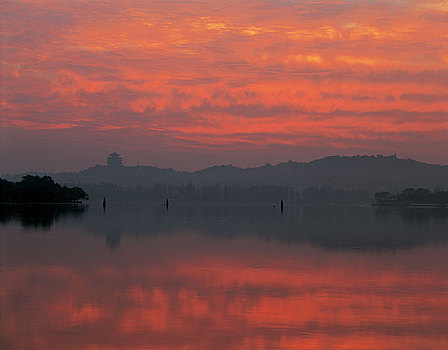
<point x="187" y="67"/>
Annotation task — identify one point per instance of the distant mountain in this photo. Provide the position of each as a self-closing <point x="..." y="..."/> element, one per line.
<point x="373" y="173"/>
<point x="359" y="172"/>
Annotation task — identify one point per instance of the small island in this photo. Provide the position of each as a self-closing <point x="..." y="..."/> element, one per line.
<point x="36" y="189"/>
<point x="410" y="197"/>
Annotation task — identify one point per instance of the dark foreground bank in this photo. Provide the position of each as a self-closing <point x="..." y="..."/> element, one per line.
<point x="36" y="189"/>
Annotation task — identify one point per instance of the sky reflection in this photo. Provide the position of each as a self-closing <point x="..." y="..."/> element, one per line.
<point x="188" y="289"/>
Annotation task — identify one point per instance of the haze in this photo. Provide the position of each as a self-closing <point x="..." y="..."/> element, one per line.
<point x="192" y="84"/>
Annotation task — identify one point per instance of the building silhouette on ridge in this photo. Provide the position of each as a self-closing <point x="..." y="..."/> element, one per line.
<point x="114" y="160"/>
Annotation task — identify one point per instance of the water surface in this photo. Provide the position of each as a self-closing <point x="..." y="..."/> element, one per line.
<point x="215" y="276"/>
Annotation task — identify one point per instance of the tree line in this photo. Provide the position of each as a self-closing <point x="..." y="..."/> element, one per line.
<point x="412" y="196"/>
<point x="36" y="189"/>
<point x="229" y="193"/>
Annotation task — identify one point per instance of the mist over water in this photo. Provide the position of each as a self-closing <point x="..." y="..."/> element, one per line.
<point x="220" y="276"/>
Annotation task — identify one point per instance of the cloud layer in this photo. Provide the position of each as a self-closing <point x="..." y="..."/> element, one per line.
<point x="221" y="82"/>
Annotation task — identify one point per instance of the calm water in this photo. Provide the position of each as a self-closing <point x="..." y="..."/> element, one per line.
<point x="222" y="277"/>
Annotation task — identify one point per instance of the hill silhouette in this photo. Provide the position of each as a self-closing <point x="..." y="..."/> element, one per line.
<point x="372" y="173"/>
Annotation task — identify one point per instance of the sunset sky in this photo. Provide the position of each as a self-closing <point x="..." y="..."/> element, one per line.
<point x="189" y="84"/>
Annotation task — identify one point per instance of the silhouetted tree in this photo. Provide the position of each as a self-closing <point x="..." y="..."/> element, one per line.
<point x="412" y="196"/>
<point x="36" y="189"/>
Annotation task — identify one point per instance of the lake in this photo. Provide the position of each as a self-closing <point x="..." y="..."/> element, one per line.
<point x="220" y="276"/>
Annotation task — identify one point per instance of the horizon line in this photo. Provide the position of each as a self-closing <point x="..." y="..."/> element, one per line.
<point x="377" y="156"/>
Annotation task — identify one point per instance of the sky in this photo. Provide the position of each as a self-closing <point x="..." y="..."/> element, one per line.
<point x="190" y="84"/>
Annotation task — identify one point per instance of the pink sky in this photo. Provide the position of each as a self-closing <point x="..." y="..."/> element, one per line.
<point x="192" y="84"/>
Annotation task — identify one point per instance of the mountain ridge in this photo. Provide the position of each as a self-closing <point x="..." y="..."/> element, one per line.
<point x="371" y="172"/>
